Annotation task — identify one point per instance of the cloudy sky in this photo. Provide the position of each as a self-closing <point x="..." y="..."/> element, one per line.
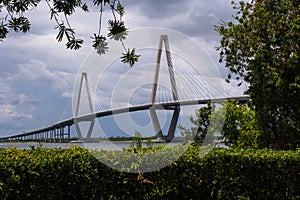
<point x="38" y="73"/>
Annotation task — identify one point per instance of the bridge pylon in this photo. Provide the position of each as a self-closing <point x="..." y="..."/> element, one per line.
<point x="84" y="80"/>
<point x="176" y="109"/>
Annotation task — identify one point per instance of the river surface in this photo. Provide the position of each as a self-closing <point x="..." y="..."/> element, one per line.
<point x="105" y="145"/>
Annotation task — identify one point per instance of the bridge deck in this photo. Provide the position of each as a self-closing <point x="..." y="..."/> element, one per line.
<point x="167" y="105"/>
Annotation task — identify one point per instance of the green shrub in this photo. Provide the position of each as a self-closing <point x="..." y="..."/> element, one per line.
<point x="75" y="173"/>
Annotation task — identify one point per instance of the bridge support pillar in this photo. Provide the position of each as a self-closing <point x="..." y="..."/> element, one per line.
<point x="84" y="79"/>
<point x="172" y="127"/>
<point x="69" y="132"/>
<point x="171" y="132"/>
<point x="155" y="123"/>
<point x="173" y="124"/>
<point x="90" y="130"/>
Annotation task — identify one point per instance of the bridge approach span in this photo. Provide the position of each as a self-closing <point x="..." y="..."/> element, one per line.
<point x="57" y="131"/>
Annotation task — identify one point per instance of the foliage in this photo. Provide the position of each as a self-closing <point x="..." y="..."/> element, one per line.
<point x="137" y="142"/>
<point x="136" y="145"/>
<point x="240" y="126"/>
<point x="201" y="123"/>
<point x="14" y="18"/>
<point x="237" y="123"/>
<point x="130" y="57"/>
<point x="222" y="174"/>
<point x="261" y="46"/>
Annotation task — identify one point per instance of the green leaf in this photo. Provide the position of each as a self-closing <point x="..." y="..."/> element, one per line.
<point x="3" y="31"/>
<point x="130" y="57"/>
<point x="74" y="44"/>
<point x="61" y="32"/>
<point x="99" y="44"/>
<point x="117" y="30"/>
<point x="120" y="9"/>
<point x="85" y="7"/>
<point x="99" y="2"/>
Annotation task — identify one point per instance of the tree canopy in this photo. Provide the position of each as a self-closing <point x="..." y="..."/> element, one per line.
<point x="201" y="122"/>
<point x="231" y="121"/>
<point x="261" y="46"/>
<point x="13" y="18"/>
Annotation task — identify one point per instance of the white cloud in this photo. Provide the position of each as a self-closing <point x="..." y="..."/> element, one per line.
<point x="8" y="111"/>
<point x="37" y="74"/>
<point x="22" y="98"/>
<point x="4" y="91"/>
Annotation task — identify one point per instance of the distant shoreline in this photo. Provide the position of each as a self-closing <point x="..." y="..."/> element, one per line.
<point x="74" y="140"/>
<point x="104" y="145"/>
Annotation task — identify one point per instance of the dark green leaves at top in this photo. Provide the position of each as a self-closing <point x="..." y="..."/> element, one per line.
<point x="3" y="31"/>
<point x="20" y="24"/>
<point x="20" y="6"/>
<point x="14" y="19"/>
<point x="85" y="8"/>
<point x="130" y="57"/>
<point x="99" y="2"/>
<point x="68" y="6"/>
<point x="63" y="30"/>
<point x="120" y="9"/>
<point x="117" y="30"/>
<point x="73" y="42"/>
<point x="99" y="44"/>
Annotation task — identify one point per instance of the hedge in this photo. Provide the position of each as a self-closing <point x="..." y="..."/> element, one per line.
<point x="75" y="173"/>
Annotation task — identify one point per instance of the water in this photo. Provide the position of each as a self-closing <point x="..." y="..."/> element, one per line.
<point x="29" y="145"/>
<point x="105" y="145"/>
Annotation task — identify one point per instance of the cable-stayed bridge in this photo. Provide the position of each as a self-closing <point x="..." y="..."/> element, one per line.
<point x="177" y="83"/>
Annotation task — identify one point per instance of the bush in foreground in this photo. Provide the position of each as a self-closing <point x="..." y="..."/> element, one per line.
<point x="222" y="174"/>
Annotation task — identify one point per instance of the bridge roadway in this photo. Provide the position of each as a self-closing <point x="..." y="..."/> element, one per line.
<point x="56" y="132"/>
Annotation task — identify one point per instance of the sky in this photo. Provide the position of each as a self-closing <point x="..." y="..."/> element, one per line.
<point x="38" y="73"/>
